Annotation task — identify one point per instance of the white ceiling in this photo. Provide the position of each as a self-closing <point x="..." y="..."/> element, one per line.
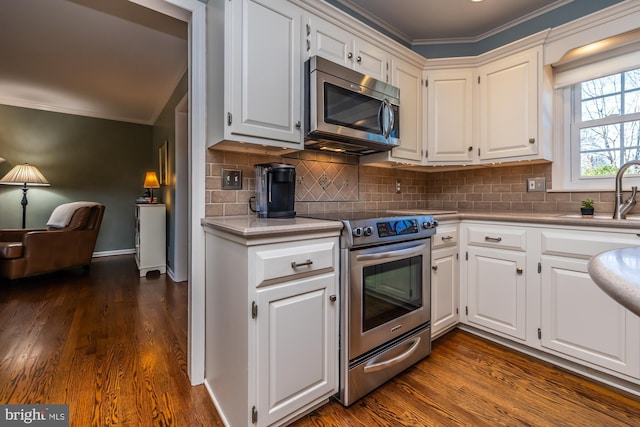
<point x="424" y="21"/>
<point x="102" y="58"/>
<point x="117" y="60"/>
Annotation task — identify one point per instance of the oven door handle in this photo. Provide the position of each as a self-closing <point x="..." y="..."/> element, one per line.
<point x="374" y="367"/>
<point x="392" y="254"/>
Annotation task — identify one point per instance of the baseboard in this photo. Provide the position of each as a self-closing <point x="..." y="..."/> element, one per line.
<point x="114" y="253"/>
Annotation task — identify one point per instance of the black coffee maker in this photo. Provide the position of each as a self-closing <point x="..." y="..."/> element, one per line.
<point x="275" y="190"/>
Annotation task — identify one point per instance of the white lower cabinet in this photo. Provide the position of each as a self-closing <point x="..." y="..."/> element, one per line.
<point x="296" y="351"/>
<point x="578" y="319"/>
<point x="496" y="282"/>
<point x="445" y="277"/>
<point x="496" y="291"/>
<point x="504" y="294"/>
<point x="271" y="326"/>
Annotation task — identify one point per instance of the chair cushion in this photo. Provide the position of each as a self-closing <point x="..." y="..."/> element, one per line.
<point x="79" y="219"/>
<point x="10" y="250"/>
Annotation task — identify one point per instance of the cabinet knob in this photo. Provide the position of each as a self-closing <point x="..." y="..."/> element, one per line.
<point x="519" y="270"/>
<point x="434" y="268"/>
<point x="298" y="124"/>
<point x="349" y="55"/>
<point x="359" y="59"/>
<point x="470" y="149"/>
<point x="332" y="298"/>
<point x="532" y="140"/>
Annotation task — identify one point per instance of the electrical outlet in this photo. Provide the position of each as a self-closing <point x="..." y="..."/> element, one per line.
<point x="231" y="179"/>
<point x="398" y="189"/>
<point x="536" y="184"/>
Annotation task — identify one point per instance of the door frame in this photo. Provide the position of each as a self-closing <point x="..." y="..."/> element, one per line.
<point x="193" y="12"/>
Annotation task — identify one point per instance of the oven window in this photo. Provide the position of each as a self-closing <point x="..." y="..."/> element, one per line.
<point x="391" y="290"/>
<point x="347" y="108"/>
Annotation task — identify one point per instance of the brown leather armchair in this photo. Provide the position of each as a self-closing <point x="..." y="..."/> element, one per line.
<point x="28" y="252"/>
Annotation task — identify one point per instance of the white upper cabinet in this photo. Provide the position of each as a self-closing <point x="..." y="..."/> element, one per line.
<point x="509" y="92"/>
<point x="337" y="45"/>
<point x="262" y="75"/>
<point x="408" y="78"/>
<point x="449" y="107"/>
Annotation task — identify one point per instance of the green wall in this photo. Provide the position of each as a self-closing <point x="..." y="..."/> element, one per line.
<point x="84" y="159"/>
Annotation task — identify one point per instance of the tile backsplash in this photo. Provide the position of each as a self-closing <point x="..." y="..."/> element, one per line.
<point x="328" y="182"/>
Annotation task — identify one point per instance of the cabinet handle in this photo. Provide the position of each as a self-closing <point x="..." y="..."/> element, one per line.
<point x="301" y="264"/>
<point x="349" y="55"/>
<point x="332" y="298"/>
<point x="434" y="268"/>
<point x="447" y="237"/>
<point x="308" y="45"/>
<point x="492" y="239"/>
<point x="359" y="59"/>
<point x="308" y="29"/>
<point x="519" y="270"/>
<point x="532" y="140"/>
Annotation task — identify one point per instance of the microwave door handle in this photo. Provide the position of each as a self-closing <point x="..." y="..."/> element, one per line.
<point x="392" y="118"/>
<point x="269" y="188"/>
<point x="385" y="118"/>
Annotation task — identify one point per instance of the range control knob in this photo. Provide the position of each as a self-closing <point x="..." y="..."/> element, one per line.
<point x="368" y="230"/>
<point x="429" y="224"/>
<point x="357" y="232"/>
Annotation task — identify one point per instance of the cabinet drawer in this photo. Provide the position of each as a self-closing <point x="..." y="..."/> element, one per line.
<point x="283" y="260"/>
<point x="584" y="244"/>
<point x="497" y="237"/>
<point x="446" y="236"/>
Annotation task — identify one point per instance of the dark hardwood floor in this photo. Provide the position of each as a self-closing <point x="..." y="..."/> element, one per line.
<point x="113" y="346"/>
<point x="108" y="343"/>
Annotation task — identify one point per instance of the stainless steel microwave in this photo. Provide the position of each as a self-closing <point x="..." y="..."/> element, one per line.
<point x="349" y="112"/>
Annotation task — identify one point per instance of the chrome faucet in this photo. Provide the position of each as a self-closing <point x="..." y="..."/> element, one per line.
<point x="621" y="209"/>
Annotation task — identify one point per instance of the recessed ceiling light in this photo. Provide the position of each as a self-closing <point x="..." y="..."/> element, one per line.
<point x="476" y="1"/>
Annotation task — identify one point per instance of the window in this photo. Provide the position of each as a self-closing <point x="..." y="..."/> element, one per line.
<point x="605" y="125"/>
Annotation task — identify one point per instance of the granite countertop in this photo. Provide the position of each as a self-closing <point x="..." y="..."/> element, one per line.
<point x="600" y="220"/>
<point x="252" y="226"/>
<point x="617" y="272"/>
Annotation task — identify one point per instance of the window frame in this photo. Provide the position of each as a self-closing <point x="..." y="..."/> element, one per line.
<point x="566" y="167"/>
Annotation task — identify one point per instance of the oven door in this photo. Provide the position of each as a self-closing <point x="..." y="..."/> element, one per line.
<point x="389" y="293"/>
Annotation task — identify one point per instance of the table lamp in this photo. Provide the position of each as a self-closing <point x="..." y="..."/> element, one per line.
<point x="28" y="176"/>
<point x="151" y="182"/>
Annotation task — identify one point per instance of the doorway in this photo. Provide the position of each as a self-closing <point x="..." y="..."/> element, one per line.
<point x="194" y="13"/>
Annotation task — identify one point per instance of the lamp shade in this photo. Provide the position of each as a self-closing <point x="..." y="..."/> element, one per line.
<point x="25" y="174"/>
<point x="151" y="180"/>
<point x="1" y="160"/>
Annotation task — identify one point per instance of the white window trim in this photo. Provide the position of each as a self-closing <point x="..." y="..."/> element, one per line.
<point x="565" y="170"/>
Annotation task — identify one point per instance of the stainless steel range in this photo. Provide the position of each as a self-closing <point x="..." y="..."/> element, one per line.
<point x="385" y="289"/>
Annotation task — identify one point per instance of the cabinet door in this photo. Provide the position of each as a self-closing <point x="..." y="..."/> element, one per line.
<point x="371" y="60"/>
<point x="265" y="76"/>
<point x="329" y="41"/>
<point x="497" y="290"/>
<point x="296" y="346"/>
<point x="509" y="107"/>
<point x="409" y="79"/>
<point x="449" y="115"/>
<point x="580" y="320"/>
<point x="444" y="290"/>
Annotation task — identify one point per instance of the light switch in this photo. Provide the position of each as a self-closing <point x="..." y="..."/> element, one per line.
<point x="231" y="179"/>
